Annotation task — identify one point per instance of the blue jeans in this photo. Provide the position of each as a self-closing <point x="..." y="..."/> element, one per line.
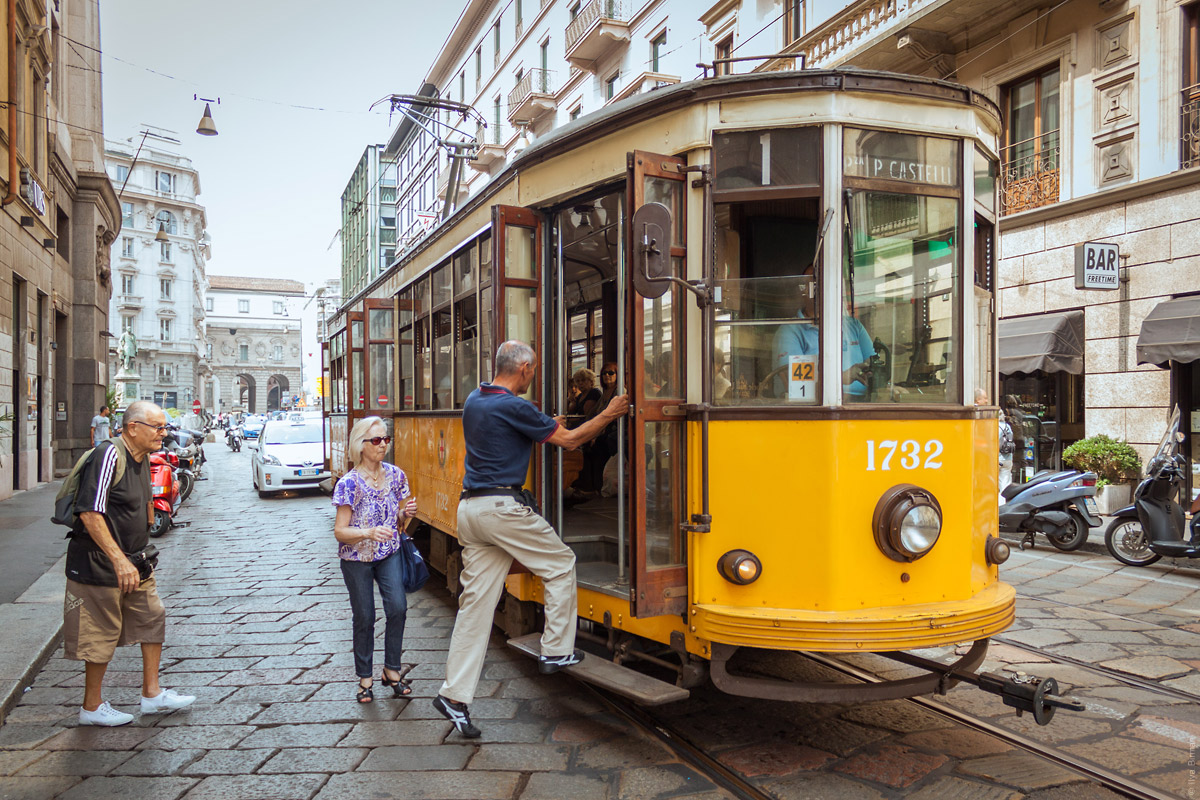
<point x="361" y="577"/>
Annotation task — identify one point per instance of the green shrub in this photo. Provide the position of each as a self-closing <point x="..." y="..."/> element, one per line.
<point x="1112" y="461"/>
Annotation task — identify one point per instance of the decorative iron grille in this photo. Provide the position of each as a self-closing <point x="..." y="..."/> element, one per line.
<point x="1030" y="176"/>
<point x="535" y="81"/>
<point x="1189" y="129"/>
<point x="595" y="10"/>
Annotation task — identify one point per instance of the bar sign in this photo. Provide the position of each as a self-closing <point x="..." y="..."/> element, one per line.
<point x="1097" y="266"/>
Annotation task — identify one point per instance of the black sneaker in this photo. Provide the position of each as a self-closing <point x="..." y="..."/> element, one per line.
<point x="549" y="664"/>
<point x="458" y="714"/>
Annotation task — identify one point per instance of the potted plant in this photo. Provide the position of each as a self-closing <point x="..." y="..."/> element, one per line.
<point x="1115" y="463"/>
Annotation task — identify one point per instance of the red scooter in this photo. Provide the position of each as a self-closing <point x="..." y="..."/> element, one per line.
<point x="165" y="490"/>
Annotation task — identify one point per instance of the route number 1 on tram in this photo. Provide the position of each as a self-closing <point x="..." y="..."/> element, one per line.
<point x="882" y="455"/>
<point x="802" y="377"/>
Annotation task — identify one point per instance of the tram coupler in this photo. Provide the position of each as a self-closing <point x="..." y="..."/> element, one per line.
<point x="1039" y="695"/>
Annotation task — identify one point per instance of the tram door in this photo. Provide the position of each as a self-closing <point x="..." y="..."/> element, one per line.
<point x="657" y="352"/>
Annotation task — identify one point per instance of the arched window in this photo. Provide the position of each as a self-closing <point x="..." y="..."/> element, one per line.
<point x="166" y="221"/>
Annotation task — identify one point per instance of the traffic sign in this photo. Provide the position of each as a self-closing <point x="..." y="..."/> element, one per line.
<point x="196" y="405"/>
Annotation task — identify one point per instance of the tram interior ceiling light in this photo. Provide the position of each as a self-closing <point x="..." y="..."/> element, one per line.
<point x="740" y="567"/>
<point x="907" y="522"/>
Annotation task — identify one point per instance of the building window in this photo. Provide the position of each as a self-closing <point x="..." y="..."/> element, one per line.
<point x="243" y="306"/>
<point x="1032" y="146"/>
<point x="126" y="284"/>
<point x="127" y="247"/>
<point x="496" y="118"/>
<point x="1190" y="109"/>
<point x="462" y="86"/>
<point x="277" y="353"/>
<point x="610" y="86"/>
<point x="277" y="307"/>
<point x="165" y="181"/>
<point x="208" y="350"/>
<point x="544" y="55"/>
<point x="208" y="304"/>
<point x="518" y="23"/>
<point x="575" y="112"/>
<point x="122" y="173"/>
<point x="127" y="322"/>
<point x="793" y="20"/>
<point x="724" y="49"/>
<point x="164" y="288"/>
<point x="166" y="373"/>
<point x="166" y="222"/>
<point x="496" y="41"/>
<point x="127" y="214"/>
<point x="243" y="352"/>
<point x="574" y="8"/>
<point x="478" y="68"/>
<point x="164" y="330"/>
<point x="164" y="252"/>
<point x="658" y="46"/>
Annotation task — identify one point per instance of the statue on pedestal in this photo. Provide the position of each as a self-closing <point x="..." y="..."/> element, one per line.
<point x="127" y="350"/>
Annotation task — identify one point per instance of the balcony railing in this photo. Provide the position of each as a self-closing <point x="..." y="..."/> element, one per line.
<point x="532" y="96"/>
<point x="600" y="25"/>
<point x="1189" y="132"/>
<point x="859" y="23"/>
<point x="1030" y="177"/>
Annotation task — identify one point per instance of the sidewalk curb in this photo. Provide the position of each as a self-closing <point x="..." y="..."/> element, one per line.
<point x="33" y="630"/>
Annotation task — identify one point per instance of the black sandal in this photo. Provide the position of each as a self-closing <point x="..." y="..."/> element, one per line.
<point x="365" y="695"/>
<point x="401" y="686"/>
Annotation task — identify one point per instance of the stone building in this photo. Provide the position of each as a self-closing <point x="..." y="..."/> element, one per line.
<point x="254" y="334"/>
<point x="58" y="216"/>
<point x="158" y="265"/>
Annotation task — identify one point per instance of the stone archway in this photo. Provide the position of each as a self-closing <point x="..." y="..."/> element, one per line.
<point x="245" y="393"/>
<point x="277" y="392"/>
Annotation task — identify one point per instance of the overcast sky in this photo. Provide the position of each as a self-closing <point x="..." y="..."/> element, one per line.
<point x="272" y="179"/>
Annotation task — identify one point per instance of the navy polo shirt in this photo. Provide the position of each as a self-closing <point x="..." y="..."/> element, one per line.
<point x="500" y="430"/>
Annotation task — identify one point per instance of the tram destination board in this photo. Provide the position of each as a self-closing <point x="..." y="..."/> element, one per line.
<point x="1096" y="266"/>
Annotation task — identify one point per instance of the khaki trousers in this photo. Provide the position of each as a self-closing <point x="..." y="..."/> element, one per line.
<point x="493" y="531"/>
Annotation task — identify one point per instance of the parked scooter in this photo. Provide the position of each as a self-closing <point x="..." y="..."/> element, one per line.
<point x="233" y="438"/>
<point x="1153" y="526"/>
<point x="1060" y="505"/>
<point x="165" y="491"/>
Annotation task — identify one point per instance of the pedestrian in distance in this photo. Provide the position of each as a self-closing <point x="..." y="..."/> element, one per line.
<point x="496" y="524"/>
<point x="112" y="596"/>
<point x="373" y="502"/>
<point x="100" y="425"/>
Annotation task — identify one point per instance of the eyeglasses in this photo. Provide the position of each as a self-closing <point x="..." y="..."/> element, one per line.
<point x="157" y="428"/>
<point x="609" y="372"/>
<point x="379" y="440"/>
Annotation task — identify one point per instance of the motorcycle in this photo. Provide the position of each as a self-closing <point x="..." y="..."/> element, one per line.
<point x="1060" y="505"/>
<point x="165" y="491"/>
<point x="233" y="438"/>
<point x="1153" y="525"/>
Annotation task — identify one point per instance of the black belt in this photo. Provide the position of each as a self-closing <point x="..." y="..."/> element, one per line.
<point x="491" y="491"/>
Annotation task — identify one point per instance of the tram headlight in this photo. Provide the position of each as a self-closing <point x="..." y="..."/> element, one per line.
<point x="740" y="567"/>
<point x="907" y="522"/>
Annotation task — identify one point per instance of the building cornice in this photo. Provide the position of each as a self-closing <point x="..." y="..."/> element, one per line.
<point x="99" y="185"/>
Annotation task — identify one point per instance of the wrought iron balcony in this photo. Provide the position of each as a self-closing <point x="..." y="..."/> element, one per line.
<point x="1030" y="173"/>
<point x="600" y="27"/>
<point x="531" y="97"/>
<point x="1189" y="129"/>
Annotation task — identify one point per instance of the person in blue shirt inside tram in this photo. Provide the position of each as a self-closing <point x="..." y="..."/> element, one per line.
<point x="804" y="340"/>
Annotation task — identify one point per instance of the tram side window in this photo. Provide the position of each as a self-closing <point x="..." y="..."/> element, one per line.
<point x="381" y="357"/>
<point x="406" y="380"/>
<point x="358" y="387"/>
<point x="466" y="324"/>
<point x="423" y="345"/>
<point x="485" y="307"/>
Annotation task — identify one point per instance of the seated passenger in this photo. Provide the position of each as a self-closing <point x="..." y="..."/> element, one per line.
<point x="803" y="340"/>
<point x="584" y="401"/>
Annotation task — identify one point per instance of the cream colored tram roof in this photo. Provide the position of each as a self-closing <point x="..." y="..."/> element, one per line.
<point x="677" y="119"/>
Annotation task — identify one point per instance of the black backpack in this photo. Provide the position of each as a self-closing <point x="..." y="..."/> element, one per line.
<point x="64" y="501"/>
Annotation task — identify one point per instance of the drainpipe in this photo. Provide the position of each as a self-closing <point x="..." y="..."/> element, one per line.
<point x="12" y="104"/>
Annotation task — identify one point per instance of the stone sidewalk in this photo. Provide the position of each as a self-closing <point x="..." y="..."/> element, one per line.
<point x="260" y="631"/>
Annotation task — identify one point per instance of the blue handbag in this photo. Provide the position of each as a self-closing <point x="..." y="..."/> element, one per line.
<point x="416" y="571"/>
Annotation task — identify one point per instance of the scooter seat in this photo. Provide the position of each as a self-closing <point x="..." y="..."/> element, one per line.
<point x="1012" y="490"/>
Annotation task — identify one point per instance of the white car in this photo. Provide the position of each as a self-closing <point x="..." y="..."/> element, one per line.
<point x="288" y="455"/>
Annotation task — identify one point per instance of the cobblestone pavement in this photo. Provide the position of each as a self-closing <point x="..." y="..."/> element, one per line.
<point x="259" y="630"/>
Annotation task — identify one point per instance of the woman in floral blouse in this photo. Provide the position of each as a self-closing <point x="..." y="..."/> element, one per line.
<point x="373" y="501"/>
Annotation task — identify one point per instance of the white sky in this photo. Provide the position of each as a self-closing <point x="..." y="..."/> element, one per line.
<point x="272" y="179"/>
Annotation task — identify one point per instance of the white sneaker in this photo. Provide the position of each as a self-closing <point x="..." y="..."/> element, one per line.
<point x="167" y="700"/>
<point x="104" y="715"/>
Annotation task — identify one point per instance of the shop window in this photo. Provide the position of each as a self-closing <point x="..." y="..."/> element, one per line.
<point x="1045" y="410"/>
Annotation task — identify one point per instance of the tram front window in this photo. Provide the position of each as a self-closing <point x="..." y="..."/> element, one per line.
<point x="901" y="288"/>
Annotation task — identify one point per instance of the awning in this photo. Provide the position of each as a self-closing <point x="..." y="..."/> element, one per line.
<point x="1171" y="332"/>
<point x="1047" y="342"/>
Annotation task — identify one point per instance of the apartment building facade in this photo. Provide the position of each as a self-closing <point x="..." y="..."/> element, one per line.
<point x="368" y="231"/>
<point x="58" y="216"/>
<point x="159" y="267"/>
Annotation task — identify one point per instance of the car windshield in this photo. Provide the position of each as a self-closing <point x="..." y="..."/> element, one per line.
<point x="293" y="434"/>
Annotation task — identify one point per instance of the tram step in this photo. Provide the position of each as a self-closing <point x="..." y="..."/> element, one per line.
<point x="641" y="689"/>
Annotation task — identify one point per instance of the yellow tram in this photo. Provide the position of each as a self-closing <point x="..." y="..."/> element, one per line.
<point x="793" y="273"/>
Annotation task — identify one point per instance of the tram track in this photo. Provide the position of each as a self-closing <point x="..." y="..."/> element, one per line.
<point x="1122" y="784"/>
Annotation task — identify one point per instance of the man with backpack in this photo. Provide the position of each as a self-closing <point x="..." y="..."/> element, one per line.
<point x="112" y="599"/>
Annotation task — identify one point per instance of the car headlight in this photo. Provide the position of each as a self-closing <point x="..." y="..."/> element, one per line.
<point x="271" y="460"/>
<point x="740" y="567"/>
<point x="907" y="522"/>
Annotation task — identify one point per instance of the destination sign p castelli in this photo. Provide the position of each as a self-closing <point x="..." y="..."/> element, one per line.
<point x="1097" y="266"/>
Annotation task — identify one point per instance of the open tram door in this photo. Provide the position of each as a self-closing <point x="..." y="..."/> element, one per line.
<point x="656" y="356"/>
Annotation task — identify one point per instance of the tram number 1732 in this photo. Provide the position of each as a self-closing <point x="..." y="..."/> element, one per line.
<point x="913" y="454"/>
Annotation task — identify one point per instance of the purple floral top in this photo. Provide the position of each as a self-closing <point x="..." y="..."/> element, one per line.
<point x="370" y="507"/>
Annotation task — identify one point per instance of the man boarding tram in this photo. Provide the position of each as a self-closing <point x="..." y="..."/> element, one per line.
<point x="496" y="524"/>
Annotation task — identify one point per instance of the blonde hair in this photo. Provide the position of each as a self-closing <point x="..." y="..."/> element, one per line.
<point x="584" y="373"/>
<point x="358" y="433"/>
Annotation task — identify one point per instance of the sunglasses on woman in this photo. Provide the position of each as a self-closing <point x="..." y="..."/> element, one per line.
<point x="379" y="440"/>
<point x="609" y="372"/>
